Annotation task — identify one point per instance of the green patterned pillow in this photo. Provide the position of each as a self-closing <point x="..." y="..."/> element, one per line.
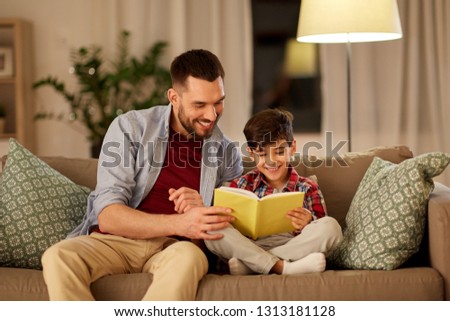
<point x="386" y="219"/>
<point x="38" y="207"/>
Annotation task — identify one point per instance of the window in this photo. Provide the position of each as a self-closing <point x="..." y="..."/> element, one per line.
<point x="275" y="82"/>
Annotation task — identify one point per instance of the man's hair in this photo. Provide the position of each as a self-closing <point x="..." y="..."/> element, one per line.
<point x="198" y="63"/>
<point x="268" y="126"/>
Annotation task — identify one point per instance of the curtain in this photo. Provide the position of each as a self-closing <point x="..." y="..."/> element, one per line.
<point x="223" y="27"/>
<point x="400" y="89"/>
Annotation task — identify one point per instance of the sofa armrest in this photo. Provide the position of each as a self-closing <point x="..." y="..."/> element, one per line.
<point x="439" y="233"/>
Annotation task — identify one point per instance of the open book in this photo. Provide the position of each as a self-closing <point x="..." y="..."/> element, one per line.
<point x="258" y="217"/>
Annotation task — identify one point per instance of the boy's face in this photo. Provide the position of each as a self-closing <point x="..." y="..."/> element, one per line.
<point x="273" y="161"/>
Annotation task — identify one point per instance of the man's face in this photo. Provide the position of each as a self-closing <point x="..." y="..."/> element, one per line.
<point x="273" y="161"/>
<point x="197" y="106"/>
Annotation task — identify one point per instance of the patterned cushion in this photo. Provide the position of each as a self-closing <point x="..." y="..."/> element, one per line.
<point x="386" y="219"/>
<point x="38" y="207"/>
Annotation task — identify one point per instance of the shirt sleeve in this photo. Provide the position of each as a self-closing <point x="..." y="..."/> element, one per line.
<point x="233" y="163"/>
<point x="315" y="202"/>
<point x="115" y="177"/>
<point x="244" y="181"/>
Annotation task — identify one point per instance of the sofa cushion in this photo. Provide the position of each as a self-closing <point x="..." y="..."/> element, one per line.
<point x="82" y="171"/>
<point x="386" y="220"/>
<point x="38" y="207"/>
<point x="349" y="285"/>
<point x="339" y="177"/>
<point x="415" y="284"/>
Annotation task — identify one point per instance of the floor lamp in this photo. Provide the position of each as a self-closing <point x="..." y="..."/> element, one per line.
<point x="348" y="21"/>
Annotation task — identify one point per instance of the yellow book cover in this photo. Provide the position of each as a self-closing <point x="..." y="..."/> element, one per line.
<point x="258" y="217"/>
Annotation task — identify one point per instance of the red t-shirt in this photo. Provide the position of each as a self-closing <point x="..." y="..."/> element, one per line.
<point x="181" y="168"/>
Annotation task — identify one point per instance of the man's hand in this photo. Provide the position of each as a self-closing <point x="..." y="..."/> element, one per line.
<point x="300" y="217"/>
<point x="196" y="222"/>
<point x="185" y="199"/>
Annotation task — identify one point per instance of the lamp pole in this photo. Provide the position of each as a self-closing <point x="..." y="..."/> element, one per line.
<point x="349" y="95"/>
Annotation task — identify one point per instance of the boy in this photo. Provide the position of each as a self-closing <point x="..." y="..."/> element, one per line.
<point x="271" y="144"/>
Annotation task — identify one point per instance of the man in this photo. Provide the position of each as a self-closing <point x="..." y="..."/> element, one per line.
<point x="157" y="169"/>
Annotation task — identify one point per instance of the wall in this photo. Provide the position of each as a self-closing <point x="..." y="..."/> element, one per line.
<point x="61" y="25"/>
<point x="57" y="27"/>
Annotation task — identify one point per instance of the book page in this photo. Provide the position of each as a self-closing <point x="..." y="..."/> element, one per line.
<point x="244" y="208"/>
<point x="259" y="217"/>
<point x="288" y="195"/>
<point x="239" y="191"/>
<point x="272" y="214"/>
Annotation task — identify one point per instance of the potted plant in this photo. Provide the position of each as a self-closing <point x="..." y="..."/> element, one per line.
<point x="108" y="91"/>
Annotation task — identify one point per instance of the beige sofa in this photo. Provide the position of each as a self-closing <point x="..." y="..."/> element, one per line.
<point x="426" y="276"/>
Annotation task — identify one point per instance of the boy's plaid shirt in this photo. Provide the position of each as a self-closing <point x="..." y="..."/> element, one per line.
<point x="255" y="182"/>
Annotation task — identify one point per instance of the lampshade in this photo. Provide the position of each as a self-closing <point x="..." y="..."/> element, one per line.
<point x="300" y="59"/>
<point x="339" y="21"/>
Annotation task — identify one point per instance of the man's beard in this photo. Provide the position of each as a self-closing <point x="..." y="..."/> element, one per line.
<point x="189" y="126"/>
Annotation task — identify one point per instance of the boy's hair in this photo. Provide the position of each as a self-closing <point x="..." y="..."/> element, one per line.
<point x="268" y="126"/>
<point x="197" y="63"/>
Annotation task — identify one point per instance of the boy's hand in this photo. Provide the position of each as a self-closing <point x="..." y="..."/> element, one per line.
<point x="185" y="198"/>
<point x="300" y="217"/>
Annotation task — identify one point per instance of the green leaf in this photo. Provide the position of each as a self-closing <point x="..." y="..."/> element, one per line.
<point x="110" y="88"/>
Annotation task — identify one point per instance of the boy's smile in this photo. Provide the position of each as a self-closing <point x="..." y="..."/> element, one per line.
<point x="273" y="162"/>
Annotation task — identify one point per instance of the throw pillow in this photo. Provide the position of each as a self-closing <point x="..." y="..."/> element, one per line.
<point x="38" y="207"/>
<point x="386" y="219"/>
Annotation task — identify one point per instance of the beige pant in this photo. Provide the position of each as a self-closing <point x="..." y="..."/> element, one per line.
<point x="260" y="256"/>
<point x="70" y="266"/>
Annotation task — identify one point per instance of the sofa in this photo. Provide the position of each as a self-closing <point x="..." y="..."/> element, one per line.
<point x="425" y="276"/>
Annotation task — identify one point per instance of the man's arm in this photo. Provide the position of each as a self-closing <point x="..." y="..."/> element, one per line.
<point x="122" y="220"/>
